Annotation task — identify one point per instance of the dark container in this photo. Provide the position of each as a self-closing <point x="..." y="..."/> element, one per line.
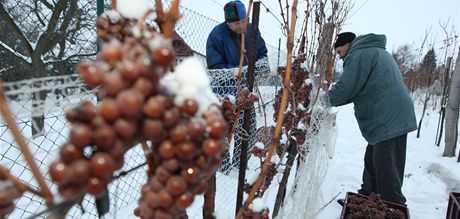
<point x="346" y="209"/>
<point x="453" y="209"/>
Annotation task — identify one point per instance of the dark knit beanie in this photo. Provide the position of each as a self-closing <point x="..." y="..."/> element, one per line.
<point x="234" y="11"/>
<point x="344" y="38"/>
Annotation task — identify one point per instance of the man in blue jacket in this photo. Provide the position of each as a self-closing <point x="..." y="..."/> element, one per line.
<point x="383" y="108"/>
<point x="223" y="52"/>
<point x="224" y="42"/>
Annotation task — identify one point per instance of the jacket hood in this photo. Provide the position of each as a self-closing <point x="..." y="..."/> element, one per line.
<point x="368" y="40"/>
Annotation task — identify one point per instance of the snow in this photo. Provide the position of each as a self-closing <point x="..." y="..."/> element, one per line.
<point x="257" y="205"/>
<point x="133" y="9"/>
<point x="429" y="177"/>
<point x="190" y="81"/>
<point x="114" y="16"/>
<point x="26" y="58"/>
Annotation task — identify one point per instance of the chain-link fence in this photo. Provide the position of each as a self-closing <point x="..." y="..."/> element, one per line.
<point x="40" y="44"/>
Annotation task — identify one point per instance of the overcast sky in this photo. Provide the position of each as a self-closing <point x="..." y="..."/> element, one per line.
<point x="403" y="21"/>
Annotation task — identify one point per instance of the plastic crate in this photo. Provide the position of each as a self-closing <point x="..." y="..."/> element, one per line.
<point x="346" y="209"/>
<point x="453" y="209"/>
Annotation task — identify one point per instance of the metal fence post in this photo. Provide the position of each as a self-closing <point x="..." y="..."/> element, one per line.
<point x="247" y="112"/>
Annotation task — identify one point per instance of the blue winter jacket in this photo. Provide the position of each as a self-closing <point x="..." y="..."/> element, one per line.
<point x="372" y="81"/>
<point x="223" y="47"/>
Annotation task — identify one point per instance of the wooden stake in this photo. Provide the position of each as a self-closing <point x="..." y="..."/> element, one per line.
<point x="114" y="4"/>
<point x="283" y="106"/>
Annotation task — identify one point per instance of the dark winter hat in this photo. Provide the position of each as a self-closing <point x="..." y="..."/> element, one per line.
<point x="344" y="38"/>
<point x="234" y="11"/>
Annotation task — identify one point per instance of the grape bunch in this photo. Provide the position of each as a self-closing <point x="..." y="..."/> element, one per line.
<point x="185" y="143"/>
<point x="9" y="192"/>
<point x="298" y="99"/>
<point x="228" y="110"/>
<point x="259" y="152"/>
<point x="271" y="173"/>
<point x="246" y="98"/>
<point x="251" y="214"/>
<point x="372" y="206"/>
<point x="187" y="157"/>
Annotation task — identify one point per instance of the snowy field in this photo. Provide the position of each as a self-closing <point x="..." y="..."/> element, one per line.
<point x="429" y="177"/>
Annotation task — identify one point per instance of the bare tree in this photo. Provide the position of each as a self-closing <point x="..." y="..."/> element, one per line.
<point x="41" y="38"/>
<point x="427" y="72"/>
<point x="452" y="109"/>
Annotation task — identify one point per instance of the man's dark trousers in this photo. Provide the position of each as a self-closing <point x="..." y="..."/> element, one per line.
<point x="383" y="172"/>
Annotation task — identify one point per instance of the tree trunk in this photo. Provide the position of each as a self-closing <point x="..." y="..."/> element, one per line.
<point x="452" y="112"/>
<point x="442" y="113"/>
<point x="38" y="97"/>
<point x="425" y="105"/>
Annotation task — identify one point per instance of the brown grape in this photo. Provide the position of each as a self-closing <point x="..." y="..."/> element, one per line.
<point x="69" y="153"/>
<point x="153" y="108"/>
<point x="70" y="191"/>
<point x="125" y="128"/>
<point x="211" y="147"/>
<point x="111" y="52"/>
<point x="81" y="135"/>
<point x="80" y="171"/>
<point x="190" y="107"/>
<point x="91" y="73"/>
<point x="130" y="103"/>
<point x="96" y="186"/>
<point x="105" y="137"/>
<point x="153" y="130"/>
<point x="191" y="175"/>
<point x="108" y="108"/>
<point x="179" y="133"/>
<point x="129" y="70"/>
<point x="216" y="127"/>
<point x="176" y="185"/>
<point x="155" y="185"/>
<point x="172" y="165"/>
<point x="171" y="117"/>
<point x="166" y="199"/>
<point x="102" y="165"/>
<point x="113" y="83"/>
<point x="59" y="172"/>
<point x="163" y="56"/>
<point x="196" y="129"/>
<point x="186" y="150"/>
<point x="184" y="200"/>
<point x="166" y="149"/>
<point x="152" y="199"/>
<point x="144" y="86"/>
<point x="160" y="214"/>
<point x="162" y="174"/>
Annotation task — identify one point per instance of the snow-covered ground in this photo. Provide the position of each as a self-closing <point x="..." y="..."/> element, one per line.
<point x="429" y="177"/>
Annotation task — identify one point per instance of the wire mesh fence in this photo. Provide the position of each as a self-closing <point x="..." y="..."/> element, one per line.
<point x="40" y="45"/>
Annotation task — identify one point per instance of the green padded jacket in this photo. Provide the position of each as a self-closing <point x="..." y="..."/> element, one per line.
<point x="372" y="81"/>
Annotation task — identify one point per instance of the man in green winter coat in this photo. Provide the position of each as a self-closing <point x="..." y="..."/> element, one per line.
<point x="385" y="113"/>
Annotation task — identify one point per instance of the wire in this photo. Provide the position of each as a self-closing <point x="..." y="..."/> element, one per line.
<point x="216" y="2"/>
<point x="269" y="11"/>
